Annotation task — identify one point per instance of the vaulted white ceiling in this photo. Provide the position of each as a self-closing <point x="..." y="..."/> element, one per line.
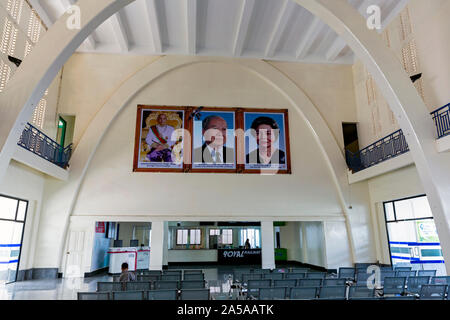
<point x="264" y="29"/>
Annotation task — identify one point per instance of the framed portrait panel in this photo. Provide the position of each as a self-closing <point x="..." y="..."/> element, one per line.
<point x="266" y="141"/>
<point x="159" y="142"/>
<point x="214" y="141"/>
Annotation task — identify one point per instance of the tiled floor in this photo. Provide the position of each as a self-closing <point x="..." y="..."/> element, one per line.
<point x="66" y="289"/>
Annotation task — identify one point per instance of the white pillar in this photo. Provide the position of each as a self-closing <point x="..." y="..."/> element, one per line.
<point x="267" y="246"/>
<point x="166" y="243"/>
<point x="157" y="245"/>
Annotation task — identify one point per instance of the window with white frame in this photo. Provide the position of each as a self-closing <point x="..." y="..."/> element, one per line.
<point x="253" y="235"/>
<point x="195" y="236"/>
<point x="214" y="232"/>
<point x="182" y="236"/>
<point x="227" y="236"/>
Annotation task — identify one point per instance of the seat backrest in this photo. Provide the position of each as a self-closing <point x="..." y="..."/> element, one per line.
<point x="430" y="273"/>
<point x="168" y="294"/>
<point x="251" y="276"/>
<point x="128" y="295"/>
<point x="400" y="298"/>
<point x="316" y="275"/>
<point x="255" y="284"/>
<point x="405" y="273"/>
<point x="309" y="282"/>
<point x="148" y="278"/>
<point x="333" y="282"/>
<point x="441" y="280"/>
<point x="171" y="277"/>
<point x="414" y="284"/>
<point x="295" y="275"/>
<point x="394" y="285"/>
<point x="260" y="271"/>
<point x="285" y="283"/>
<point x="109" y="286"/>
<point x="273" y="276"/>
<point x="360" y="292"/>
<point x="194" y="276"/>
<point x="151" y="272"/>
<point x="166" y="285"/>
<point x="138" y="286"/>
<point x="194" y="294"/>
<point x="173" y="272"/>
<point x="347" y="273"/>
<point x="303" y="293"/>
<point x="361" y="277"/>
<point x="386" y="274"/>
<point x="332" y="292"/>
<point x="433" y="292"/>
<point x="193" y="284"/>
<point x="93" y="295"/>
<point x="298" y="270"/>
<point x="277" y="293"/>
<point x="193" y="271"/>
<point x="402" y="268"/>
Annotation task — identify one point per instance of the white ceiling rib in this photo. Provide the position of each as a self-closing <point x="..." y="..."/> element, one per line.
<point x="264" y="29"/>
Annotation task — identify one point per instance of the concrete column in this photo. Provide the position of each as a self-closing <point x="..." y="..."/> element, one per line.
<point x="157" y="245"/>
<point x="267" y="246"/>
<point x="304" y="243"/>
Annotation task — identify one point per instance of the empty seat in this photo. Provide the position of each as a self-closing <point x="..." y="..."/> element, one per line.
<point x="316" y="275"/>
<point x="278" y="293"/>
<point x="433" y="292"/>
<point x="251" y="276"/>
<point x="93" y="295"/>
<point x="295" y="275"/>
<point x="400" y="298"/>
<point x="109" y="286"/>
<point x="193" y="284"/>
<point x="193" y="271"/>
<point x="171" y="277"/>
<point x="402" y="269"/>
<point x="128" y="295"/>
<point x="394" y="285"/>
<point x="194" y="294"/>
<point x="347" y="273"/>
<point x="148" y="278"/>
<point x="441" y="280"/>
<point x="405" y="273"/>
<point x="309" y="282"/>
<point x="333" y="292"/>
<point x="166" y="285"/>
<point x="254" y="284"/>
<point x="194" y="276"/>
<point x="138" y="286"/>
<point x="299" y="270"/>
<point x="359" y="292"/>
<point x="285" y="283"/>
<point x="361" y="278"/>
<point x="303" y="293"/>
<point x="414" y="284"/>
<point x="173" y="272"/>
<point x="386" y="268"/>
<point x="151" y="272"/>
<point x="260" y="271"/>
<point x="273" y="276"/>
<point x="169" y="294"/>
<point x="430" y="273"/>
<point x="386" y="274"/>
<point x="333" y="282"/>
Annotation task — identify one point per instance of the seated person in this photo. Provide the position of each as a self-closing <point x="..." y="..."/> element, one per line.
<point x="266" y="131"/>
<point x="160" y="141"/>
<point x="126" y="276"/>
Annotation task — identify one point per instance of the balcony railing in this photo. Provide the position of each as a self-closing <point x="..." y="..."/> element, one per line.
<point x="387" y="148"/>
<point x="441" y="119"/>
<point x="40" y="144"/>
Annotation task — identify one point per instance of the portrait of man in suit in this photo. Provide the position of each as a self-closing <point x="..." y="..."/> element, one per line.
<point x="214" y="150"/>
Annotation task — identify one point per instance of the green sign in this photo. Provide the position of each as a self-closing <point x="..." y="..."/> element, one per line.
<point x="426" y="231"/>
<point x="280" y="254"/>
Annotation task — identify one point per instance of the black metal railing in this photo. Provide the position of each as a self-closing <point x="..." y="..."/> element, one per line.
<point x="441" y="119"/>
<point x="40" y="144"/>
<point x="387" y="148"/>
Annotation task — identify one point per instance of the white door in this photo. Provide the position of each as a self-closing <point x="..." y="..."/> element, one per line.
<point x="74" y="258"/>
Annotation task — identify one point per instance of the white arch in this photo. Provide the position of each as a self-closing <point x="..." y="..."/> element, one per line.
<point x="100" y="125"/>
<point x="33" y="77"/>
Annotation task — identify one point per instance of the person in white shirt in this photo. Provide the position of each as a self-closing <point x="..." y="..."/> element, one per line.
<point x="160" y="141"/>
<point x="214" y="150"/>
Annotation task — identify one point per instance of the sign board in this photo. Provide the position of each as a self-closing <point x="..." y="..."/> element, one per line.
<point x="100" y="227"/>
<point x="239" y="256"/>
<point x="426" y="231"/>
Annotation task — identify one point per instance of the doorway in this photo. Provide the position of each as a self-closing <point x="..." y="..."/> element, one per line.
<point x="12" y="220"/>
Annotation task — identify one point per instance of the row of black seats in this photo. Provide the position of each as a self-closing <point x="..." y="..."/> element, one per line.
<point x="168" y="294"/>
<point x="166" y="276"/>
<point x="253" y="283"/>
<point x="361" y="273"/>
<point x="427" y="292"/>
<point x="245" y="277"/>
<point x="149" y="285"/>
